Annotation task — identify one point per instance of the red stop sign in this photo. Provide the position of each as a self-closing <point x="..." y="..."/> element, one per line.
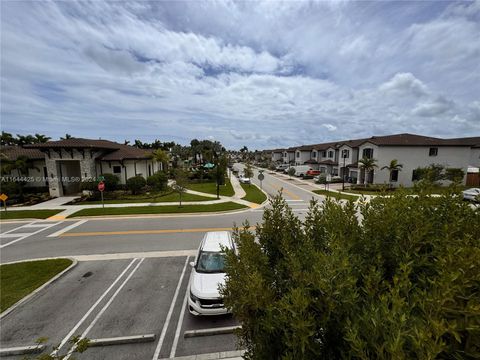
<point x="101" y="186"/>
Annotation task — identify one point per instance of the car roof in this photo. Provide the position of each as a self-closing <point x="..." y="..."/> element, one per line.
<point x="214" y="240"/>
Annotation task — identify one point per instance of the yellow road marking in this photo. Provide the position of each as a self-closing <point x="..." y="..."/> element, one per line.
<point x="57" y="217"/>
<point x="289" y="193"/>
<point x="144" y="232"/>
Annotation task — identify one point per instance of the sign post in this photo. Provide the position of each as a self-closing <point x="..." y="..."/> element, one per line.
<point x="261" y="177"/>
<point x="4" y="197"/>
<point x="101" y="188"/>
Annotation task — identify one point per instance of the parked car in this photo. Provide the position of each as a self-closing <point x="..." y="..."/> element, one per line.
<point x="208" y="273"/>
<point x="301" y="170"/>
<point x="311" y="174"/>
<point x="244" y="180"/>
<point x="472" y="194"/>
<point x="282" y="167"/>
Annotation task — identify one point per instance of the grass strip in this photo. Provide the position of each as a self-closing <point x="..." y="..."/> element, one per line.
<point x="20" y="279"/>
<point x="336" y="195"/>
<point x="171" y="197"/>
<point x="254" y="194"/>
<point x="27" y="214"/>
<point x="211" y="188"/>
<point x="167" y="209"/>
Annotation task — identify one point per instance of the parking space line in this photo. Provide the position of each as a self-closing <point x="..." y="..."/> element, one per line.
<point x="80" y="322"/>
<point x="156" y="354"/>
<point x="67" y="228"/>
<point x="180" y="322"/>
<point x="4" y="236"/>
<point x="22" y="350"/>
<point x="105" y="307"/>
<point x="29" y="234"/>
<point x="121" y="340"/>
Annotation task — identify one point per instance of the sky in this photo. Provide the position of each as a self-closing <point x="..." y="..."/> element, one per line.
<point x="264" y="74"/>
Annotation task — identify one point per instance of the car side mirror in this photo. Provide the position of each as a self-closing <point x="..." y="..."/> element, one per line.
<point x="192" y="263"/>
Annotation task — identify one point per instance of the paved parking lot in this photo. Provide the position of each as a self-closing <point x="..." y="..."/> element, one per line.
<point x="118" y="298"/>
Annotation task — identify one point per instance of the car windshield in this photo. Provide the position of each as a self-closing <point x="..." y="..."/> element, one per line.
<point x="210" y="262"/>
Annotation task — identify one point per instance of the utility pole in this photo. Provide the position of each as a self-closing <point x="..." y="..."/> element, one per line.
<point x="343" y="177"/>
<point x="218" y="174"/>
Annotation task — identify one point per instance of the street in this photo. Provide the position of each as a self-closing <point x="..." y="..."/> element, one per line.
<point x="131" y="280"/>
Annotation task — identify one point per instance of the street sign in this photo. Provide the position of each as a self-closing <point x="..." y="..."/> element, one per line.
<point x="3" y="197"/>
<point x="101" y="186"/>
<point x="261" y="177"/>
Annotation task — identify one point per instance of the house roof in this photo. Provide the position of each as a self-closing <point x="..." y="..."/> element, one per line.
<point x="325" y="146"/>
<point x="328" y="162"/>
<point x="311" y="161"/>
<point x="114" y="151"/>
<point x="419" y="140"/>
<point x="14" y="152"/>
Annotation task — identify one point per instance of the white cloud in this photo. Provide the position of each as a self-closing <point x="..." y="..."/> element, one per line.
<point x="404" y="84"/>
<point x="434" y="107"/>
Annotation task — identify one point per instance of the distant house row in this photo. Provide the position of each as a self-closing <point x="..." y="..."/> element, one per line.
<point x="341" y="158"/>
<point x="62" y="165"/>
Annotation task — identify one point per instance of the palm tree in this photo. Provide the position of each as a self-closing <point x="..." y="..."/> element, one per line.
<point x="67" y="136"/>
<point x="162" y="157"/>
<point x="368" y="165"/>
<point x="39" y="138"/>
<point x="394" y="166"/>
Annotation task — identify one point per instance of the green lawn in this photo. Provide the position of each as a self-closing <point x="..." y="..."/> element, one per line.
<point x="254" y="194"/>
<point x="152" y="198"/>
<point x="336" y="195"/>
<point x="211" y="188"/>
<point x="19" y="280"/>
<point x="27" y="214"/>
<point x="168" y="209"/>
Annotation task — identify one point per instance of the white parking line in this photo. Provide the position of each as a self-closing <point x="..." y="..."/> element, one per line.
<point x="47" y="226"/>
<point x="80" y="322"/>
<point x="179" y="323"/>
<point x="67" y="228"/>
<point x="156" y="354"/>
<point x="4" y="236"/>
<point x="105" y="307"/>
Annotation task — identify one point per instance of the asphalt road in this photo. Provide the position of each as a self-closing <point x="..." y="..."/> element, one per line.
<point x="128" y="280"/>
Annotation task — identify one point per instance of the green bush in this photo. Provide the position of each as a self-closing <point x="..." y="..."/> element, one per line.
<point x="135" y="184"/>
<point x="89" y="185"/>
<point x="111" y="181"/>
<point x="158" y="181"/>
<point x="402" y="284"/>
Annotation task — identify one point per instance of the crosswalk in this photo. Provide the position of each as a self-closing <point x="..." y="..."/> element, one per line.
<point x="24" y="231"/>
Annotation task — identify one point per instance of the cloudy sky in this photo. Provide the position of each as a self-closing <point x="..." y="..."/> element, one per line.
<point x="261" y="74"/>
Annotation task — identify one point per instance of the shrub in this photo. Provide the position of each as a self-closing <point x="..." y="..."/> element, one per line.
<point x="111" y="181"/>
<point x="454" y="174"/>
<point x="403" y="284"/>
<point x="158" y="181"/>
<point x="135" y="184"/>
<point x="89" y="185"/>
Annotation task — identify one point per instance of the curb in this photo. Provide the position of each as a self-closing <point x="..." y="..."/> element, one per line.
<point x="121" y="340"/>
<point x="42" y="287"/>
<point x="236" y="354"/>
<point x="208" y="332"/>
<point x="22" y="350"/>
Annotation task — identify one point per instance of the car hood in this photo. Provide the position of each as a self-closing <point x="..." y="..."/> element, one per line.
<point x="206" y="285"/>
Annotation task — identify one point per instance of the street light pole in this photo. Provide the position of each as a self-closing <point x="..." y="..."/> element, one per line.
<point x="343" y="177"/>
<point x="218" y="175"/>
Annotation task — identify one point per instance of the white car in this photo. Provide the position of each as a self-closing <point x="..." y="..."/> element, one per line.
<point x="472" y="194"/>
<point x="244" y="180"/>
<point x="208" y="273"/>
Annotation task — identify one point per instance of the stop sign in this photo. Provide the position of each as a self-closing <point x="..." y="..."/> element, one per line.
<point x="101" y="186"/>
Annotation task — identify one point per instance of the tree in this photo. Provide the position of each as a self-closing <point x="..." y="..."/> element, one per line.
<point x="454" y="174"/>
<point x="368" y="165"/>
<point x="22" y="164"/>
<point x="162" y="157"/>
<point x="402" y="284"/>
<point x="7" y="139"/>
<point x="393" y="166"/>
<point x="181" y="180"/>
<point x="431" y="174"/>
<point x="248" y="170"/>
<point x="291" y="171"/>
<point x="135" y="184"/>
<point x="67" y="136"/>
<point x="39" y="138"/>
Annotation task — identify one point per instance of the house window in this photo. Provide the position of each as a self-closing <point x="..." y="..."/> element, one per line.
<point x="117" y="169"/>
<point x="345" y="153"/>
<point x="394" y="176"/>
<point x="324" y="154"/>
<point x="298" y="154"/>
<point x="415" y="176"/>
<point x="433" y="152"/>
<point x="330" y="154"/>
<point x="368" y="153"/>
<point x="335" y="171"/>
<point x="314" y="154"/>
